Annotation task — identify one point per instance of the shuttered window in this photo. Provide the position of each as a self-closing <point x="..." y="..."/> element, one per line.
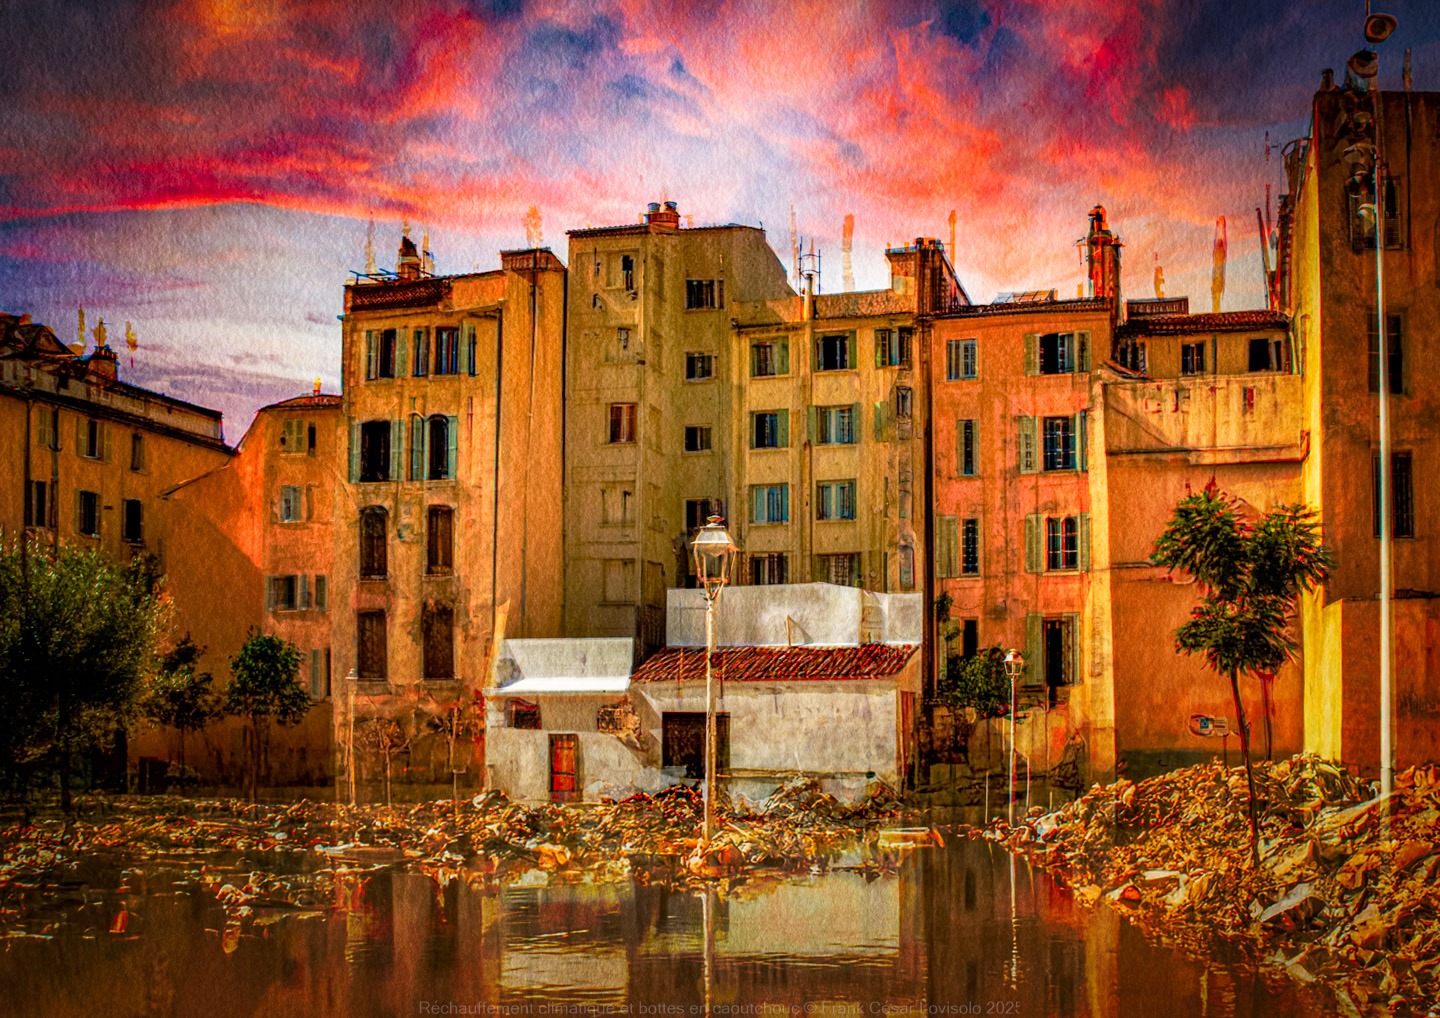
<point x="439" y="539"/>
<point x="947" y="539"/>
<point x="370" y="644"/>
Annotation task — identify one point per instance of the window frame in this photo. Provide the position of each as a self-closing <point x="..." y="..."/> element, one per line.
<point x="776" y="501"/>
<point x="292" y="497"/>
<point x="368" y="617"/>
<point x="702" y="438"/>
<point x="833" y="499"/>
<point x="828" y="422"/>
<point x="1064" y="455"/>
<point x="847" y="347"/>
<point x="92" y="498"/>
<point x="623" y="423"/>
<point x="135" y="534"/>
<point x="1062" y="544"/>
<point x="698" y="359"/>
<point x="439" y="555"/>
<point x="374" y="546"/>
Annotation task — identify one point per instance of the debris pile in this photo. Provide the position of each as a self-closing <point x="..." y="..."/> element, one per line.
<point x="1345" y="892"/>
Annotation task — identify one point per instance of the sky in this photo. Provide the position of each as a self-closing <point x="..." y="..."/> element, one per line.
<point x="208" y="169"/>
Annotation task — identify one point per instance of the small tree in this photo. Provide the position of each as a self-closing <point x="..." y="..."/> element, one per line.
<point x="456" y="720"/>
<point x="387" y="737"/>
<point x="181" y="697"/>
<point x="975" y="683"/>
<point x="1250" y="575"/>
<point x="264" y="688"/>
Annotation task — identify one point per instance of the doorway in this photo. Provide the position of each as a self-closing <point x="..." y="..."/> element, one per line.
<point x="564" y="768"/>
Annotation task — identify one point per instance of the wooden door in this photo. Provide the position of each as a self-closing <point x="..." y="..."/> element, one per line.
<point x="564" y="768"/>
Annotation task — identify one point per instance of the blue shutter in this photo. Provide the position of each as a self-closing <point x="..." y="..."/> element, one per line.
<point x="452" y="429"/>
<point x="784" y="503"/>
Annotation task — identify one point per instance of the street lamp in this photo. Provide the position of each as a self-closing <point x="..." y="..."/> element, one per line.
<point x="714" y="558"/>
<point x="1014" y="666"/>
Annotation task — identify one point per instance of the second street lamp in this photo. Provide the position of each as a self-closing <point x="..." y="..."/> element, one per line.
<point x="1014" y="665"/>
<point x="714" y="558"/>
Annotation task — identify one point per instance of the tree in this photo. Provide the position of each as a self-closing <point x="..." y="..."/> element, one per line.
<point x="78" y="635"/>
<point x="456" y="720"/>
<point x="386" y="736"/>
<point x="181" y="697"/>
<point x="264" y="688"/>
<point x="977" y="683"/>
<point x="1250" y="576"/>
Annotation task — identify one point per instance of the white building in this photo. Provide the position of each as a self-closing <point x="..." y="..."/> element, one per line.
<point x="811" y="679"/>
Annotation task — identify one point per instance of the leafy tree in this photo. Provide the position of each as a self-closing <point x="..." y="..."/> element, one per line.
<point x="181" y="697"/>
<point x="78" y="634"/>
<point x="1250" y="575"/>
<point x="975" y="683"/>
<point x="264" y="688"/>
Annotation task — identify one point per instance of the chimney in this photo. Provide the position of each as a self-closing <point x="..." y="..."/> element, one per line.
<point x="669" y="217"/>
<point x="1102" y="260"/>
<point x="407" y="262"/>
<point x="808" y="290"/>
<point x="103" y="362"/>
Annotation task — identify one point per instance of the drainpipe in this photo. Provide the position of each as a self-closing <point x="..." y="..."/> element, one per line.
<point x="495" y="484"/>
<point x="529" y="431"/>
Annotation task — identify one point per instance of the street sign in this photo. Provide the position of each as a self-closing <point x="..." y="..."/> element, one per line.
<point x="1208" y="727"/>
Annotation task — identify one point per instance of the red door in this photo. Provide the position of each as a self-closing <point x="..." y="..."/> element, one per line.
<point x="564" y="768"/>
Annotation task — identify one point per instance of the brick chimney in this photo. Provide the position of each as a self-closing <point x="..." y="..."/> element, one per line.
<point x="1102" y="260"/>
<point x="668" y="215"/>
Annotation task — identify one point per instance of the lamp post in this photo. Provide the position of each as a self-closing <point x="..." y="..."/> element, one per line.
<point x="1014" y="665"/>
<point x="714" y="557"/>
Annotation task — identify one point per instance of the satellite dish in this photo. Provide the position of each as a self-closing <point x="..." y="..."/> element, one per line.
<point x="1378" y="27"/>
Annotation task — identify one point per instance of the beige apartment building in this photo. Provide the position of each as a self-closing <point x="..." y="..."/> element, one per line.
<point x="652" y="389"/>
<point x="447" y="529"/>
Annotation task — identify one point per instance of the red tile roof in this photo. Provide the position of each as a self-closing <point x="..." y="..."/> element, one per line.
<point x="1225" y="321"/>
<point x="1081" y="305"/>
<point x="322" y="401"/>
<point x="770" y="664"/>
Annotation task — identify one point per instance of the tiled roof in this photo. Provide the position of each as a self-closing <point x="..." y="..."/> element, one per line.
<point x="320" y="401"/>
<point x="1225" y="321"/>
<point x="784" y="664"/>
<point x="390" y="296"/>
<point x="1039" y="307"/>
<point x="857" y="303"/>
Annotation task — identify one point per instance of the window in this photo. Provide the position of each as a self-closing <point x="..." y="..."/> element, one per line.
<point x="892" y="348"/>
<point x="966" y="453"/>
<point x="91" y="442"/>
<point x="370" y="648"/>
<point x="682" y="741"/>
<point x="770" y="357"/>
<point x="1402" y="495"/>
<point x="1056" y="655"/>
<point x="961" y="360"/>
<point x="38" y="506"/>
<point x="618" y="581"/>
<point x="1269" y="355"/>
<point x="970" y="548"/>
<point x="322" y="595"/>
<point x="699" y="366"/>
<point x="292" y="503"/>
<point x="1394" y="348"/>
<point x="1059" y="451"/>
<point x="292" y="435"/>
<point x="622" y="338"/>
<point x="702" y="294"/>
<point x="770" y="503"/>
<point x="137" y="451"/>
<point x="47" y="431"/>
<point x="380" y="354"/>
<point x="947" y="534"/>
<point x="374" y="540"/>
<point x="835" y="500"/>
<point x="1062" y="543"/>
<point x="320" y="673"/>
<point x="87" y="513"/>
<point x="835" y="425"/>
<point x="770" y="429"/>
<point x="1192" y="358"/>
<point x="699" y="510"/>
<point x="310" y="450"/>
<point x="1057" y="353"/>
<point x="283" y="593"/>
<point x="1132" y="355"/>
<point x="832" y="353"/>
<point x="420" y="366"/>
<point x="522" y="714"/>
<point x="843" y="569"/>
<point x="903" y="401"/>
<point x="1362" y="223"/>
<point x="133" y="521"/>
<point x="437" y="623"/>
<point x="768" y="569"/>
<point x="439" y="539"/>
<point x="622" y="423"/>
<point x="970" y="639"/>
<point x="627" y="272"/>
<point x="447" y="351"/>
<point x="375" y="451"/>
<point x="440" y="440"/>
<point x="697" y="438"/>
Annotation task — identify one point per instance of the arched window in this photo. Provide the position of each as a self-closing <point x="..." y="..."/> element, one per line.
<point x="374" y="534"/>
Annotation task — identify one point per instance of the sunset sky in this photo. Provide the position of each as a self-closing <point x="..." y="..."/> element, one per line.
<point x="206" y="169"/>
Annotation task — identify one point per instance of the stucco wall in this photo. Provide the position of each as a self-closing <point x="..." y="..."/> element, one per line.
<point x="819" y="614"/>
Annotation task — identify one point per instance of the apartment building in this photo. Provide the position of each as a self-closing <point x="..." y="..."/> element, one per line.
<point x="651" y="396"/>
<point x="447" y="523"/>
<point x="1328" y="284"/>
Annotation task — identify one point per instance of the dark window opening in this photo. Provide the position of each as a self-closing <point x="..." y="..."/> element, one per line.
<point x="1192" y="358"/>
<point x="768" y="569"/>
<point x="438" y="625"/>
<point x="627" y="272"/>
<point x="1402" y="495"/>
<point x="683" y="742"/>
<point x="438" y="468"/>
<point x="88" y="506"/>
<point x="93" y="440"/>
<point x="375" y="451"/>
<point x="699" y="510"/>
<point x="1057" y="636"/>
<point x="374" y="539"/>
<point x="967" y="448"/>
<point x="1395" y="352"/>
<point x="969" y="637"/>
<point x="697" y="438"/>
<point x="1057" y="353"/>
<point x="137" y="451"/>
<point x="37" y="506"/>
<point x="447" y="351"/>
<point x="767" y="431"/>
<point x="832" y="353"/>
<point x="310" y="439"/>
<point x="699" y="366"/>
<point x="970" y="548"/>
<point x="1267" y="355"/>
<point x="622" y="423"/>
<point x="370" y="640"/>
<point x="439" y="539"/>
<point x="522" y="714"/>
<point x="703" y="294"/>
<point x="133" y="522"/>
<point x="385" y="355"/>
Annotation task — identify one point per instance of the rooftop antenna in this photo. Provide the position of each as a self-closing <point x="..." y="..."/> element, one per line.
<point x="1265" y="255"/>
<point x="1406" y="79"/>
<point x="794" y="248"/>
<point x="848" y="239"/>
<point x="1217" y="271"/>
<point x="370" y="248"/>
<point x="427" y="261"/>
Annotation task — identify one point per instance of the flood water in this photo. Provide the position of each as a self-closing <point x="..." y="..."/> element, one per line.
<point x="936" y="937"/>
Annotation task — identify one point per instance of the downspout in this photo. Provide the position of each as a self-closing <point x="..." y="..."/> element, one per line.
<point x="495" y="483"/>
<point x="529" y="430"/>
<point x="564" y="439"/>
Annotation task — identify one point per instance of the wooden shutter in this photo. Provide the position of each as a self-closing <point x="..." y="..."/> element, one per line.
<point x="370" y="366"/>
<point x="1034" y="650"/>
<point x="881" y="421"/>
<point x="882" y="344"/>
<point x="856" y="420"/>
<point x="417" y="447"/>
<point x="754" y="359"/>
<point x="782" y="357"/>
<point x="42" y="432"/>
<point x="452" y="431"/>
<point x="1034" y="550"/>
<point x="1032" y="353"/>
<point x="946" y="542"/>
<point x="322" y="593"/>
<point x="1072" y="620"/>
<point x="401" y="361"/>
<point x="1082" y="351"/>
<point x="397" y="449"/>
<point x="317" y="675"/>
<point x="782" y="429"/>
<point x="1082" y="440"/>
<point x="1084" y="542"/>
<point x="757" y="504"/>
<point x="811" y="423"/>
<point x="1027" y="445"/>
<point x="462" y="337"/>
<point x="269" y="593"/>
<point x="302" y="598"/>
<point x="784" y="503"/>
<point x="354" y="452"/>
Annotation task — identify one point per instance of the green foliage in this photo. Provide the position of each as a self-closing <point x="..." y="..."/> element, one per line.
<point x="942" y="605"/>
<point x="78" y="637"/>
<point x="265" y="685"/>
<point x="181" y="697"/>
<point x="978" y="682"/>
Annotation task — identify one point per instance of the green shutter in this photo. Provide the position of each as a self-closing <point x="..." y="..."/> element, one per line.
<point x="463" y="339"/>
<point x="757" y="504"/>
<point x="782" y="428"/>
<point x="322" y="593"/>
<point x="417" y="447"/>
<point x="269" y="593"/>
<point x="81" y="445"/>
<point x="881" y="421"/>
<point x="354" y="452"/>
<point x="400" y="359"/>
<point x="1084" y="528"/>
<point x="882" y="340"/>
<point x="452" y="429"/>
<point x="1034" y="650"/>
<point x="1082" y="440"/>
<point x="782" y="357"/>
<point x="754" y="359"/>
<point x="1027" y="445"/>
<point x="369" y="353"/>
<point x="42" y="432"/>
<point x="303" y="598"/>
<point x="811" y="425"/>
<point x="105" y="441"/>
<point x="1034" y="552"/>
<point x="857" y="420"/>
<point x="397" y="449"/>
<point x="1032" y="353"/>
<point x="1082" y="351"/>
<point x="1073" y="618"/>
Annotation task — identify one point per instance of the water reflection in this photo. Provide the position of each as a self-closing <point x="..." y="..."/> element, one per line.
<point x="962" y="930"/>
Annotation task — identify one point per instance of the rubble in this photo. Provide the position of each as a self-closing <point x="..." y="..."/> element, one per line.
<point x="1345" y="892"/>
<point x="266" y="862"/>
